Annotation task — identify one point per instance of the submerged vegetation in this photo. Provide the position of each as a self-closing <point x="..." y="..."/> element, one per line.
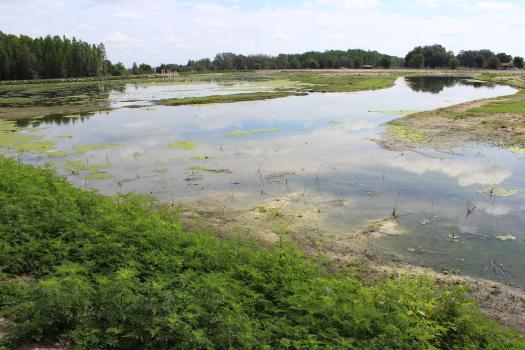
<point x="121" y="272"/>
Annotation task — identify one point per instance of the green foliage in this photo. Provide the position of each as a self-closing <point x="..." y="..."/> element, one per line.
<point x="121" y="273"/>
<point x="493" y="63"/>
<point x="518" y="62"/>
<point x="22" y="57"/>
<point x="435" y="56"/>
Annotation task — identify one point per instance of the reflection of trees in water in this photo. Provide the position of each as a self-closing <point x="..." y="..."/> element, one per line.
<point x="435" y="85"/>
<point x="57" y="119"/>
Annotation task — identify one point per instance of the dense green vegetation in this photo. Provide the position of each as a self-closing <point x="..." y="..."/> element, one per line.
<point x="22" y="57"/>
<point x="121" y="273"/>
<point x="354" y="58"/>
<point x="437" y="56"/>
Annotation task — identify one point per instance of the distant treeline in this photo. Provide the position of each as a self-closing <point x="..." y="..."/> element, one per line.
<point x="22" y="57"/>
<point x="313" y="59"/>
<point x="436" y="56"/>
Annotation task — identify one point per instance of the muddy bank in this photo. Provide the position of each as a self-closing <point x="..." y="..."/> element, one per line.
<point x="286" y="218"/>
<point x="495" y="121"/>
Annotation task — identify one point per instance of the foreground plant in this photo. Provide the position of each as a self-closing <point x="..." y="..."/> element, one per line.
<point x="121" y="273"/>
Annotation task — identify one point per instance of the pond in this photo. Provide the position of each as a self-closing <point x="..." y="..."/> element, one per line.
<point x="462" y="210"/>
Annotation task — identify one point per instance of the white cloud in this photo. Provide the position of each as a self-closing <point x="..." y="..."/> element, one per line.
<point x="120" y="38"/>
<point x="495" y="6"/>
<point x="128" y="15"/>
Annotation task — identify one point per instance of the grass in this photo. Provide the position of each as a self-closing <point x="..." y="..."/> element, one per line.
<point x="319" y="82"/>
<point x="516" y="106"/>
<point x="122" y="273"/>
<point x="254" y="96"/>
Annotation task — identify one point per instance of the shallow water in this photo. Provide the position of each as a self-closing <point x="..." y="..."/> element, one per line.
<point x="323" y="148"/>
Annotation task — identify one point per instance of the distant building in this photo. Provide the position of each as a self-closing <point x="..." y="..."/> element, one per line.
<point x="169" y="73"/>
<point x="508" y="65"/>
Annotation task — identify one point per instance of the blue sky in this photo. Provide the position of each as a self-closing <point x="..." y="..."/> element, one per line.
<point x="174" y="31"/>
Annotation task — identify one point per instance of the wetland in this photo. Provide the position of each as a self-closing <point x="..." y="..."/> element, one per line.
<point x="316" y="163"/>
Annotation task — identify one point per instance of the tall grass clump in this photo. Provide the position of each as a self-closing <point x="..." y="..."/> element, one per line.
<point x="122" y="273"/>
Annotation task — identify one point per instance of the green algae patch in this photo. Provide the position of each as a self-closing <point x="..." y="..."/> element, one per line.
<point x="161" y="170"/>
<point x="56" y="153"/>
<point x="209" y="170"/>
<point x="398" y="112"/>
<point x="336" y="122"/>
<point x="200" y="157"/>
<point x="255" y="96"/>
<point x="86" y="148"/>
<point x="249" y="132"/>
<point x="185" y="145"/>
<point x="98" y="176"/>
<point x="65" y="137"/>
<point x="497" y="191"/>
<point x="82" y="165"/>
<point x="406" y="133"/>
<point x="11" y="139"/>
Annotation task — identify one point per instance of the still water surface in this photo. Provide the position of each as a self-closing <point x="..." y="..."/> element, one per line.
<point x="321" y="146"/>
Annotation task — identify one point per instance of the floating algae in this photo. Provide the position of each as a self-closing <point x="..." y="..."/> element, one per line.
<point x="209" y="170"/>
<point x="336" y="122"/>
<point x="249" y="132"/>
<point x="13" y="140"/>
<point x="81" y="165"/>
<point x="498" y="191"/>
<point x="86" y="148"/>
<point x="406" y="133"/>
<point x="161" y="170"/>
<point x="98" y="176"/>
<point x="185" y="145"/>
<point x="200" y="157"/>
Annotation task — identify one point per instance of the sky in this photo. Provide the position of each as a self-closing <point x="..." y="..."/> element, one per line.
<point x="172" y="31"/>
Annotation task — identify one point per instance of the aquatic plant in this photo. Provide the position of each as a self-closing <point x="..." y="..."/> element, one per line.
<point x="209" y="170"/>
<point x="200" y="156"/>
<point x="406" y="133"/>
<point x="185" y="145"/>
<point x="86" y="148"/>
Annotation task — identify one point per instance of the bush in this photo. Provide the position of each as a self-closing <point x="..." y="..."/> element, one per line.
<point x="121" y="273"/>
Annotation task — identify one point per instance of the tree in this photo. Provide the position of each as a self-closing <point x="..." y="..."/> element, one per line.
<point x="493" y="63"/>
<point x="518" y="62"/>
<point x="385" y="62"/>
<point x="435" y="56"/>
<point x="504" y="58"/>
<point x="416" y="61"/>
<point x="480" y="61"/>
<point x="134" y="69"/>
<point x="453" y="63"/>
